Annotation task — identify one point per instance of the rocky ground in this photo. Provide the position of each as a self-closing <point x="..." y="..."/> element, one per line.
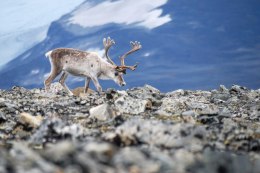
<point x="140" y="130"/>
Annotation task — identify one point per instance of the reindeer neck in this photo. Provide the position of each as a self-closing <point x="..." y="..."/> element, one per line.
<point x="104" y="65"/>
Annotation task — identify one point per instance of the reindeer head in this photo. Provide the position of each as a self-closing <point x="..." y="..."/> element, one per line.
<point x="117" y="71"/>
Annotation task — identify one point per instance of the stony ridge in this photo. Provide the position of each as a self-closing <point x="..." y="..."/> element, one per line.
<point x="137" y="130"/>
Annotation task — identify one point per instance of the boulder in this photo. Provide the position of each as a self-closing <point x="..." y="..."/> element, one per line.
<point x="29" y="120"/>
<point x="102" y="112"/>
<point x="129" y="105"/>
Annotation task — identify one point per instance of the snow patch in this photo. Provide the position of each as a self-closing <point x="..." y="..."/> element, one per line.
<point x="144" y="13"/>
<point x="76" y="79"/>
<point x="46" y="75"/>
<point x="25" y="23"/>
<point x="26" y="56"/>
<point x="147" y="54"/>
<point x="97" y="50"/>
<point x="34" y="72"/>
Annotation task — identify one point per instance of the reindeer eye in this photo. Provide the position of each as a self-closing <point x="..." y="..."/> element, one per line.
<point x="116" y="73"/>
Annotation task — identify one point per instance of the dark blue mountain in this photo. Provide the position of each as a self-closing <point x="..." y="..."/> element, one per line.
<point x="207" y="43"/>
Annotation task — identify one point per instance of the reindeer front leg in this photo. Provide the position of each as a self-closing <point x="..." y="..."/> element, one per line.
<point x="62" y="82"/>
<point x="87" y="84"/>
<point x="97" y="85"/>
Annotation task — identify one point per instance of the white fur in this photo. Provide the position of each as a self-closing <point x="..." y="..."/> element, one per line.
<point x="48" y="54"/>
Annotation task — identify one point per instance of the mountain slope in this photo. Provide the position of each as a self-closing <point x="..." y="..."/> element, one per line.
<point x="25" y="23"/>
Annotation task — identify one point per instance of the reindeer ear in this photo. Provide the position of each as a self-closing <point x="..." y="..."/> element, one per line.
<point x="120" y="69"/>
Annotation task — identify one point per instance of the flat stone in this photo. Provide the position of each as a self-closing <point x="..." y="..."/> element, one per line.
<point x="100" y="148"/>
<point x="135" y="161"/>
<point x="129" y="105"/>
<point x="188" y="113"/>
<point x="28" y="119"/>
<point x="102" y="112"/>
<point x="2" y="116"/>
<point x="222" y="88"/>
<point x="179" y="92"/>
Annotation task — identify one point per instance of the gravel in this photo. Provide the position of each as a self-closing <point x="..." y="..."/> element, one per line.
<point x="137" y="130"/>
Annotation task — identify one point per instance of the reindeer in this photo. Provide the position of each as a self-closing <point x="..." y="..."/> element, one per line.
<point x="88" y="65"/>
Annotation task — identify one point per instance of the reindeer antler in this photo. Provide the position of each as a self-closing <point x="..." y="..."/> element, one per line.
<point x="122" y="68"/>
<point x="107" y="44"/>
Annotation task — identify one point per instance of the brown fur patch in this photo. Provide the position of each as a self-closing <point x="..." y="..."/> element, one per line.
<point x="58" y="54"/>
<point x="80" y="90"/>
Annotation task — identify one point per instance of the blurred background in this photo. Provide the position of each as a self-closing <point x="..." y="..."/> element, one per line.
<point x="188" y="44"/>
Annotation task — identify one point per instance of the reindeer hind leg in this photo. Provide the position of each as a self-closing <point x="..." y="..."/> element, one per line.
<point x="55" y="71"/>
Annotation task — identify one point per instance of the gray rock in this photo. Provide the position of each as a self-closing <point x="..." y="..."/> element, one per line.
<point x="29" y="120"/>
<point x="4" y="162"/>
<point x="202" y="108"/>
<point x="215" y="162"/>
<point x="225" y="112"/>
<point x="73" y="130"/>
<point x="101" y="148"/>
<point x="55" y="88"/>
<point x="2" y="103"/>
<point x="173" y="106"/>
<point x="220" y="96"/>
<point x="52" y="129"/>
<point x="198" y="102"/>
<point x="133" y="160"/>
<point x="103" y="152"/>
<point x="72" y="169"/>
<point x="102" y="112"/>
<point x="176" y="93"/>
<point x="222" y="88"/>
<point x="8" y="126"/>
<point x="146" y="92"/>
<point x="83" y="102"/>
<point x="188" y="116"/>
<point x="182" y="160"/>
<point x="2" y="116"/>
<point x="159" y="134"/>
<point x="59" y="151"/>
<point x="166" y="162"/>
<point x="80" y="115"/>
<point x="151" y="89"/>
<point x="235" y="89"/>
<point x="188" y="113"/>
<point x="129" y="105"/>
<point x="88" y="164"/>
<point x="27" y="160"/>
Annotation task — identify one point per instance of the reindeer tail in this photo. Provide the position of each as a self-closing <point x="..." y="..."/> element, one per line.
<point x="48" y="54"/>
